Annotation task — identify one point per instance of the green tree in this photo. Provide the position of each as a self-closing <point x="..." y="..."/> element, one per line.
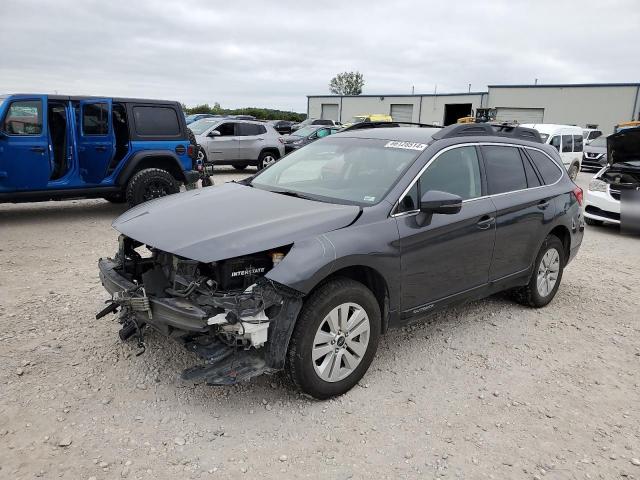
<point x="347" y="83"/>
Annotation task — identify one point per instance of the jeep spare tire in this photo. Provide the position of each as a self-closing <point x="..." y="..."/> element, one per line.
<point x="150" y="183"/>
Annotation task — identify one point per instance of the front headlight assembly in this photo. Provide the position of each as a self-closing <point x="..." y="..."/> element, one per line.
<point x="596" y="185"/>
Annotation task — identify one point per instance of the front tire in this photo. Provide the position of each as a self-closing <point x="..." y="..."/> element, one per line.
<point x="573" y="171"/>
<point x="335" y="338"/>
<point x="546" y="276"/>
<point x="150" y="183"/>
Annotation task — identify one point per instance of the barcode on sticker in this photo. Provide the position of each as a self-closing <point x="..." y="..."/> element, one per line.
<point x="406" y="145"/>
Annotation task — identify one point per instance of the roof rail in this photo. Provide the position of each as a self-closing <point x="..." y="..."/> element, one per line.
<point x="361" y="125"/>
<point x="488" y="129"/>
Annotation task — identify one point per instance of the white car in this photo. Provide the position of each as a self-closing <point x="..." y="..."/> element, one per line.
<point x="602" y="202"/>
<point x="567" y="139"/>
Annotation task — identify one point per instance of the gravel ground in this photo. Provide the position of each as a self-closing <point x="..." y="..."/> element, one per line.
<point x="488" y="390"/>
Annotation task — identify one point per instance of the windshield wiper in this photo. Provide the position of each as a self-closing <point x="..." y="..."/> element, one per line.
<point x="291" y="194"/>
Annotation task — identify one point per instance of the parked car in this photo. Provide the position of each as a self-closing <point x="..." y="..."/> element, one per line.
<point x="590" y="134"/>
<point x="55" y="147"/>
<point x="369" y="117"/>
<point x="283" y="127"/>
<point x="567" y="140"/>
<point x="621" y="174"/>
<point x="199" y="116"/>
<point x="237" y="142"/>
<point x="304" y="265"/>
<point x="595" y="154"/>
<point x="306" y="135"/>
<point x="242" y="117"/>
<point x="315" y="121"/>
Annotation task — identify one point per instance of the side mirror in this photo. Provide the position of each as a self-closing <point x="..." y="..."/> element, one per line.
<point x="313" y="136"/>
<point x="213" y="134"/>
<point x="445" y="203"/>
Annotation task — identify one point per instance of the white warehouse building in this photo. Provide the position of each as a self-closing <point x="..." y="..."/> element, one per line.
<point x="599" y="104"/>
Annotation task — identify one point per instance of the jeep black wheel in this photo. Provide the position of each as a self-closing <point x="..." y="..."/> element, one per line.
<point x="150" y="183"/>
<point x="335" y="338"/>
<point x="206" y="181"/>
<point x="201" y="156"/>
<point x="546" y="275"/>
<point x="267" y="159"/>
<point x="240" y="167"/>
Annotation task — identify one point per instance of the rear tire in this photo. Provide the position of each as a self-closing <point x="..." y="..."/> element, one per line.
<point x="267" y="159"/>
<point x="546" y="275"/>
<point x="340" y="361"/>
<point x="150" y="183"/>
<point x="592" y="222"/>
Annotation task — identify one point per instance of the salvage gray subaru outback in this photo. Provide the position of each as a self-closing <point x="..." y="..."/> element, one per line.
<point x="303" y="266"/>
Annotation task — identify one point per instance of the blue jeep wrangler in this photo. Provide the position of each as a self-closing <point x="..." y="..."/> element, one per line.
<point x="120" y="149"/>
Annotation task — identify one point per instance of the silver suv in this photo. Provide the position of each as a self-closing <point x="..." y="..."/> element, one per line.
<point x="229" y="141"/>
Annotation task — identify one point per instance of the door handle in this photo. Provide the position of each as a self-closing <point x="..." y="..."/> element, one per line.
<point x="101" y="148"/>
<point x="485" y="222"/>
<point x="543" y="204"/>
<point x="37" y="149"/>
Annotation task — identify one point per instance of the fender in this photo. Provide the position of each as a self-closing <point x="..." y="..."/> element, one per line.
<point x="162" y="158"/>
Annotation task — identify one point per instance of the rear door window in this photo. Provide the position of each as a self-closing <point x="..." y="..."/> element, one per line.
<point x="247" y="129"/>
<point x="152" y="121"/>
<point x="505" y="171"/>
<point x="578" y="142"/>
<point x="24" y="118"/>
<point x="548" y="169"/>
<point x="567" y="143"/>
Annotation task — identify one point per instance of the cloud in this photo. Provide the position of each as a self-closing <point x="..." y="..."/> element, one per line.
<point x="256" y="53"/>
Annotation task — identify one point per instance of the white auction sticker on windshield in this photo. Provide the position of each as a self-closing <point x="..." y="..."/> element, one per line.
<point x="406" y="145"/>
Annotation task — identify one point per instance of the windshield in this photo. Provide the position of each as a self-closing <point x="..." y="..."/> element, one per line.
<point x="203" y="125"/>
<point x="358" y="119"/>
<point x="341" y="170"/>
<point x="599" y="142"/>
<point x="304" y="131"/>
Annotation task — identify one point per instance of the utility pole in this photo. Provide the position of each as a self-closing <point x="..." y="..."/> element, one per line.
<point x="469" y="88"/>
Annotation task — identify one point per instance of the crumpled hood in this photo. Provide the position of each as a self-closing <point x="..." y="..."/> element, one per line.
<point x="624" y="146"/>
<point x="231" y="220"/>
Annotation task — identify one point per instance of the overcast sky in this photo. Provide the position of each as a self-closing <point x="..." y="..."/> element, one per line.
<point x="274" y="53"/>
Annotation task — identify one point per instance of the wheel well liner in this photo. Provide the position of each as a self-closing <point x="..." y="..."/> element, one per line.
<point x="373" y="280"/>
<point x="563" y="234"/>
<point x="152" y="159"/>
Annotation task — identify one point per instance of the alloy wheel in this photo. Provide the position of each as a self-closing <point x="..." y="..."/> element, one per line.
<point x="268" y="160"/>
<point x="548" y="272"/>
<point x="341" y="342"/>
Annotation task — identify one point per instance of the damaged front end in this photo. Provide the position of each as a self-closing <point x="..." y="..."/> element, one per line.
<point x="227" y="312"/>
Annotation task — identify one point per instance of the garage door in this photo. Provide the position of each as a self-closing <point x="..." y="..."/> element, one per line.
<point x="520" y="115"/>
<point x="401" y="112"/>
<point x="329" y="111"/>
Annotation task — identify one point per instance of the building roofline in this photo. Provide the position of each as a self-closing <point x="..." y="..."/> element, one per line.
<point x="567" y="85"/>
<point x="400" y="95"/>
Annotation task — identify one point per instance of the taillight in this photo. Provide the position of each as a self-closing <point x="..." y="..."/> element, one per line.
<point x="190" y="150"/>
<point x="579" y="194"/>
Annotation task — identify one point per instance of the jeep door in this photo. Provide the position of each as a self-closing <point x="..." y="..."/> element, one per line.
<point x="523" y="207"/>
<point x="445" y="254"/>
<point x="24" y="145"/>
<point x="96" y="140"/>
<point x="251" y="140"/>
<point x="223" y="147"/>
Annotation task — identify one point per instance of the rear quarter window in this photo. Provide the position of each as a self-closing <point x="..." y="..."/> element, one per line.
<point x="578" y="143"/>
<point x="548" y="169"/>
<point x="152" y="121"/>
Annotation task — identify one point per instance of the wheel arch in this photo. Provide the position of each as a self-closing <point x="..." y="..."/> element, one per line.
<point x="273" y="150"/>
<point x="152" y="159"/>
<point x="370" y="278"/>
